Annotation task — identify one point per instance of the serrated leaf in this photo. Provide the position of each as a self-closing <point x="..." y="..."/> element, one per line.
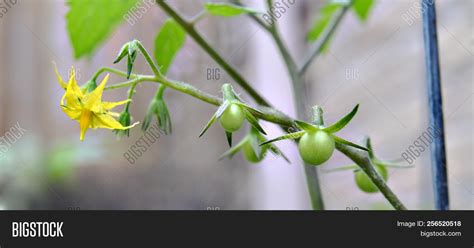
<point x="168" y="42"/>
<point x="325" y="16"/>
<point x="362" y="8"/>
<point x="253" y="121"/>
<point x="342" y="122"/>
<point x="228" y="10"/>
<point x="348" y="143"/>
<point x="89" y="23"/>
<point x="294" y="135"/>
<point x="305" y="126"/>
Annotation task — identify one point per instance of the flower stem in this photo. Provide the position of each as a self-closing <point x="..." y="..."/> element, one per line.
<point x="148" y="59"/>
<point x="108" y="69"/>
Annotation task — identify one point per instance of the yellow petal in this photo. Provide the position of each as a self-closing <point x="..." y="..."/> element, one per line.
<point x="58" y="76"/>
<point x="72" y="113"/>
<point x="111" y="105"/>
<point x="72" y="99"/>
<point x="85" y="122"/>
<point x="72" y="82"/>
<point x="95" y="97"/>
<point x="107" y="121"/>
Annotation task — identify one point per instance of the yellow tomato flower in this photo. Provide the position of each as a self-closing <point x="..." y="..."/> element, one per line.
<point x="88" y="108"/>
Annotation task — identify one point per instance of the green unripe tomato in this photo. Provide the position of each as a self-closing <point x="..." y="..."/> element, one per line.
<point x="365" y="184"/>
<point x="232" y="118"/>
<point x="249" y="153"/>
<point x="316" y="147"/>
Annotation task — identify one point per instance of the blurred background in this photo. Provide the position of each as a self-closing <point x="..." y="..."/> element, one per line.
<point x="48" y="168"/>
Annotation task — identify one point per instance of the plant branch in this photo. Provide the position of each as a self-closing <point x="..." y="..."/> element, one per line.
<point x="311" y="173"/>
<point x="189" y="28"/>
<point x="267" y="114"/>
<point x="361" y="158"/>
<point x="108" y="69"/>
<point x="316" y="50"/>
<point x="149" y="60"/>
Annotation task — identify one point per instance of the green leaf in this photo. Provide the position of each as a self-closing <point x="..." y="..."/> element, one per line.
<point x="168" y="42"/>
<point x="228" y="10"/>
<point x="348" y="143"/>
<point x="342" y="122"/>
<point x="306" y="126"/>
<point x="278" y="152"/>
<point x="343" y="168"/>
<point x="325" y="16"/>
<point x="295" y="135"/>
<point x="232" y="151"/>
<point x="89" y="23"/>
<point x="254" y="111"/>
<point x="209" y="124"/>
<point x="362" y="8"/>
<point x="163" y="116"/>
<point x="253" y="121"/>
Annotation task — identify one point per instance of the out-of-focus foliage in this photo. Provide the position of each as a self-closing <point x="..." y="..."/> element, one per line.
<point x="168" y="42"/>
<point x="89" y="23"/>
<point x="225" y="9"/>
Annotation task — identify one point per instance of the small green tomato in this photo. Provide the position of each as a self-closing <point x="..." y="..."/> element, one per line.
<point x="232" y="118"/>
<point x="316" y="147"/>
<point x="250" y="155"/>
<point x="365" y="184"/>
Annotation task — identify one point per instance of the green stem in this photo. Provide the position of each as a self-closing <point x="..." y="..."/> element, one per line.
<point x="131" y="92"/>
<point x="189" y="28"/>
<point x="108" y="69"/>
<point x="198" y="17"/>
<point x="311" y="173"/>
<point x="325" y="39"/>
<point x="318" y="118"/>
<point x="160" y="91"/>
<point x="149" y="60"/>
